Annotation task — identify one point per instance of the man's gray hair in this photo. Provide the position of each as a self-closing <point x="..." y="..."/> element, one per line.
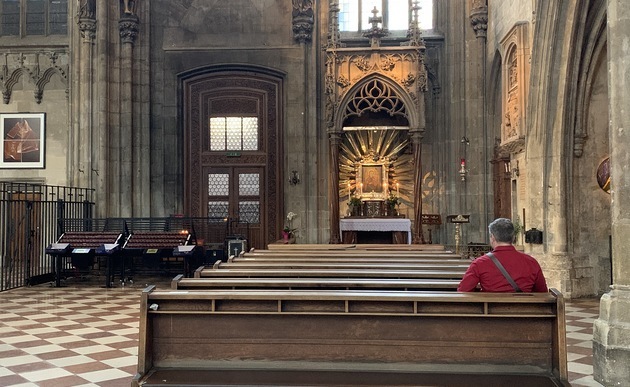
<point x="502" y="229"/>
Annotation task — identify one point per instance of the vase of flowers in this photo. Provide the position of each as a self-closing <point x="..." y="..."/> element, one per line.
<point x="354" y="206"/>
<point x="288" y="230"/>
<point x="391" y="202"/>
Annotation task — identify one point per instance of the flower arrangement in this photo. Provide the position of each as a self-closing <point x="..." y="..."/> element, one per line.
<point x="354" y="202"/>
<point x="288" y="226"/>
<point x="393" y="200"/>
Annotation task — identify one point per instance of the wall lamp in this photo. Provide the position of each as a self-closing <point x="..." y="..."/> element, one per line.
<point x="294" y="179"/>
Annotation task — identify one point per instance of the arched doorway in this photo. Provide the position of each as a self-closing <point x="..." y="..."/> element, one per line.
<point x="233" y="150"/>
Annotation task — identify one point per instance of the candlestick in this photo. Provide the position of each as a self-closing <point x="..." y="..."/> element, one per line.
<point x="348" y="192"/>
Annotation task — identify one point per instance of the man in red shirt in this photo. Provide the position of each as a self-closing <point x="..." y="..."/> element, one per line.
<point x="523" y="269"/>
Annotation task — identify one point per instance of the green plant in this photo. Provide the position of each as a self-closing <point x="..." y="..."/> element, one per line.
<point x="518" y="227"/>
<point x="393" y="200"/>
<point x="354" y="202"/>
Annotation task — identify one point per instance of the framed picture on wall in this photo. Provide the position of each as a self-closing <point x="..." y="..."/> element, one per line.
<point x="23" y="137"/>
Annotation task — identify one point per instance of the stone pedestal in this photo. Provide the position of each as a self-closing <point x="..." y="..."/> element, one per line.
<point x="611" y="338"/>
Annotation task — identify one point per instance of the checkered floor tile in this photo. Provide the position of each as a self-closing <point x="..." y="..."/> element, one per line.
<point x="87" y="335"/>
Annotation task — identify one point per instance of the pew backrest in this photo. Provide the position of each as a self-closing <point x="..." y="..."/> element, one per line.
<point x="186" y="333"/>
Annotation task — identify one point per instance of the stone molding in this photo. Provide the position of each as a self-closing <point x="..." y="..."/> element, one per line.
<point x="39" y="67"/>
<point x="128" y="28"/>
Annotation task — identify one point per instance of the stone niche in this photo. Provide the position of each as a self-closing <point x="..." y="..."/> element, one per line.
<point x="515" y="54"/>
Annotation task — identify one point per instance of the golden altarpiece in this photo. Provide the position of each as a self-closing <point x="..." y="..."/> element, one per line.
<point x="375" y="116"/>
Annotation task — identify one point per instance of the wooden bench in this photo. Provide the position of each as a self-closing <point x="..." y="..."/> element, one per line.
<point x="181" y="283"/>
<point x="388" y="247"/>
<point x="352" y="253"/>
<point x="204" y="272"/>
<point x="351" y="338"/>
<point x="341" y="258"/>
<point x="455" y="266"/>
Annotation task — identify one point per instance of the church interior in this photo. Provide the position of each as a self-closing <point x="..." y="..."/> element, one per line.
<point x="334" y="122"/>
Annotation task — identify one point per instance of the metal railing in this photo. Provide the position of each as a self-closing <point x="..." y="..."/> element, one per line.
<point x="28" y="223"/>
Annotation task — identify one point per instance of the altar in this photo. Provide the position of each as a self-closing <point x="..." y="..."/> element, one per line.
<point x="398" y="230"/>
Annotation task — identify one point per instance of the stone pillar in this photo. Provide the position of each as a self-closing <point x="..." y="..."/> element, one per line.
<point x="333" y="186"/>
<point x="611" y="331"/>
<point x="417" y="236"/>
<point x="479" y="22"/>
<point x="82" y="142"/>
<point x="130" y="173"/>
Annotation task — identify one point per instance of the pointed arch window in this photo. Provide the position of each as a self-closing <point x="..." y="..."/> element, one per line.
<point x="33" y="17"/>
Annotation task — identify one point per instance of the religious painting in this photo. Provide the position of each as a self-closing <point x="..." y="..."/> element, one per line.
<point x="22" y="140"/>
<point x="372" y="181"/>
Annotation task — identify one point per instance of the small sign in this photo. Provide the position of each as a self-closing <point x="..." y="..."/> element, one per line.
<point x="80" y="251"/>
<point x="233" y="154"/>
<point x="152" y="251"/>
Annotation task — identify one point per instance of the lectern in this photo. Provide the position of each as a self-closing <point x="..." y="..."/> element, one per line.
<point x="458" y="220"/>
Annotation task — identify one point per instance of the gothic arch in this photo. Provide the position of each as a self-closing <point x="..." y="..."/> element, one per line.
<point x="377" y="93"/>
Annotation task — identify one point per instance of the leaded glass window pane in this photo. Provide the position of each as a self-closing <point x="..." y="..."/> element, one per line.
<point x="366" y="12"/>
<point x="233" y="133"/>
<point x="10" y="17"/>
<point x="249" y="211"/>
<point x="250" y="133"/>
<point x="58" y="17"/>
<point x="217" y="209"/>
<point x="35" y="17"/>
<point x="348" y="15"/>
<point x="398" y="15"/>
<point x="217" y="133"/>
<point x="218" y="184"/>
<point x="248" y="184"/>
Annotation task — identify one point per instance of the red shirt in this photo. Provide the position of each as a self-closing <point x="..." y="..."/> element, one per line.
<point x="523" y="269"/>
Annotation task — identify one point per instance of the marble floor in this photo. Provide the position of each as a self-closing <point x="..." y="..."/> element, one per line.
<point x="86" y="335"/>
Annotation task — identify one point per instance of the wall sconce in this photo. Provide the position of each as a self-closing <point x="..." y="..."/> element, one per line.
<point x="515" y="171"/>
<point x="462" y="169"/>
<point x="465" y="140"/>
<point x="295" y="178"/>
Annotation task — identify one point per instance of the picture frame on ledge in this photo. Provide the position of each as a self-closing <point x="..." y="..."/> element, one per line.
<point x="23" y="140"/>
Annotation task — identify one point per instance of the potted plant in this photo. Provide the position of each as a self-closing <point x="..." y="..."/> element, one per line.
<point x="354" y="205"/>
<point x="288" y="230"/>
<point x="391" y="202"/>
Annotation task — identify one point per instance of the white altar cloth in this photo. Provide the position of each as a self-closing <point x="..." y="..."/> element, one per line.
<point x="377" y="224"/>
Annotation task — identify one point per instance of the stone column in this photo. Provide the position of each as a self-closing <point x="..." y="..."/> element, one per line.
<point x="611" y="331"/>
<point x="333" y="186"/>
<point x="81" y="166"/>
<point x="479" y="22"/>
<point x="130" y="174"/>
<point x="417" y="236"/>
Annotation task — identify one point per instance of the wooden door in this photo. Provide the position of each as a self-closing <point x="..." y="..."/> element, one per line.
<point x="234" y="193"/>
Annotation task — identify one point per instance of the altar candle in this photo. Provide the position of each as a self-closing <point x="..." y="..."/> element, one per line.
<point x="361" y="189"/>
<point x="385" y="188"/>
<point x="348" y="192"/>
<point x="397" y="189"/>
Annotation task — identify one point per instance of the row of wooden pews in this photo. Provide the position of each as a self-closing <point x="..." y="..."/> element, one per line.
<point x="352" y="316"/>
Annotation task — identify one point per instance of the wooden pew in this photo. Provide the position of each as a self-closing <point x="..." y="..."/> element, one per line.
<point x="204" y="272"/>
<point x="388" y="247"/>
<point x="450" y="266"/>
<point x="341" y="258"/>
<point x="327" y="337"/>
<point x="181" y="283"/>
<point x="352" y="253"/>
